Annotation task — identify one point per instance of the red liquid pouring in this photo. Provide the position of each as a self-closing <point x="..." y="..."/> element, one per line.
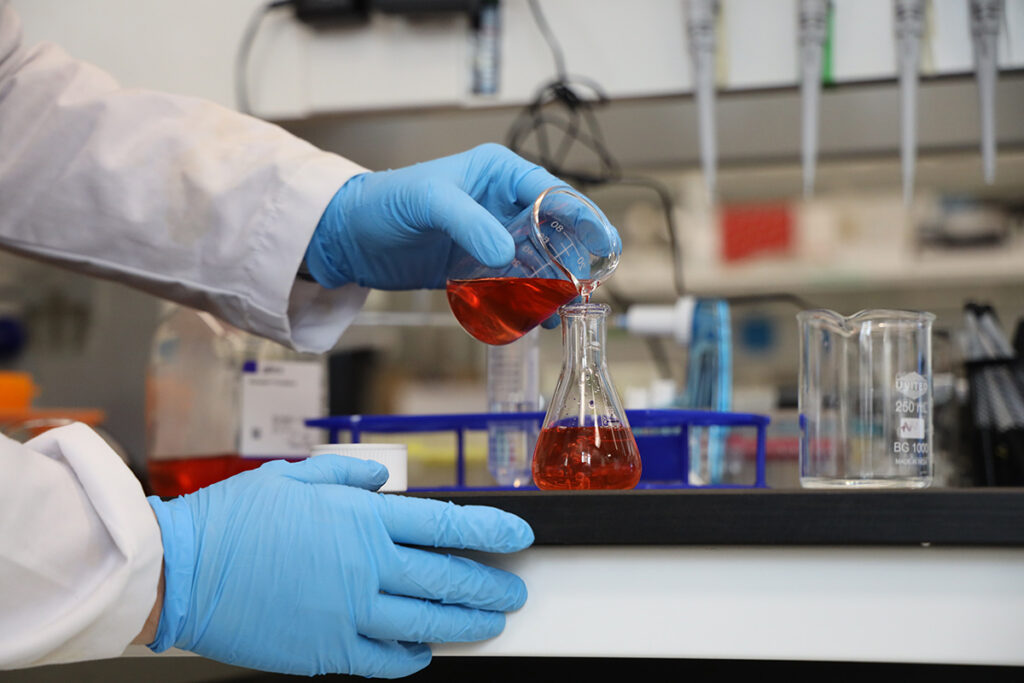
<point x="499" y="310"/>
<point x="586" y="458"/>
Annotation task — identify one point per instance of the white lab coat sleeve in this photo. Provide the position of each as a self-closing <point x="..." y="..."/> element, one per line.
<point x="170" y="194"/>
<point x="80" y="550"/>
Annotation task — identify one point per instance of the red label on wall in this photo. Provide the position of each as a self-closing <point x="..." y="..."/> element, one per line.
<point x="753" y="229"/>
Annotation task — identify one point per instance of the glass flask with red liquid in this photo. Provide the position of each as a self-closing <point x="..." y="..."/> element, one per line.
<point x="220" y="401"/>
<point x="585" y="441"/>
<point x="565" y="247"/>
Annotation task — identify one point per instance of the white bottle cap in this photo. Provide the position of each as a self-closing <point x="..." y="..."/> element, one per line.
<point x="394" y="456"/>
<point x="663" y="321"/>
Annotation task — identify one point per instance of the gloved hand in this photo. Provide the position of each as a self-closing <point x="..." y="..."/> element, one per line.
<point x="400" y="229"/>
<point x="297" y="568"/>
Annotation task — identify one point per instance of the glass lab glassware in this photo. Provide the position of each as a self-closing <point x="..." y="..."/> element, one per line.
<point x="585" y="441"/>
<point x="865" y="399"/>
<point x="565" y="248"/>
<point x="513" y="386"/>
<point x="709" y="387"/>
<point x="220" y="401"/>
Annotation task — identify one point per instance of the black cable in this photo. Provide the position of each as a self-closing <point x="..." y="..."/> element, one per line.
<point x="560" y="108"/>
<point x="567" y="106"/>
<point x="244" y="50"/>
<point x="563" y="106"/>
<point x="549" y="37"/>
<point x="668" y="208"/>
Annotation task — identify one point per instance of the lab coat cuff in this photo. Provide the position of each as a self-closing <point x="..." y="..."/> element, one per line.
<point x="175" y="520"/>
<point x="313" y="316"/>
<point x="90" y="579"/>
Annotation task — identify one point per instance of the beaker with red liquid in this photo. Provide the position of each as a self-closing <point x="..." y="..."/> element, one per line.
<point x="499" y="310"/>
<point x="585" y="441"/>
<point x="565" y="247"/>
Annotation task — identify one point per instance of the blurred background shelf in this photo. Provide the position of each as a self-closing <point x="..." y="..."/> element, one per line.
<point x="985" y="268"/>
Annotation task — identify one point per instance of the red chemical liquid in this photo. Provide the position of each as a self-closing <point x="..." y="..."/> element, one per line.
<point x="499" y="310"/>
<point x="178" y="476"/>
<point x="586" y="458"/>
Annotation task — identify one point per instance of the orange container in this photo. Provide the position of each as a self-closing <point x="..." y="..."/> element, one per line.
<point x="18" y="416"/>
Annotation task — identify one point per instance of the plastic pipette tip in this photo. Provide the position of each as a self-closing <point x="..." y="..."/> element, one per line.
<point x="812" y="20"/>
<point x="809" y="129"/>
<point x="986" y="18"/>
<point x="908" y="128"/>
<point x="909" y="20"/>
<point x="700" y="27"/>
<point x="706" y="122"/>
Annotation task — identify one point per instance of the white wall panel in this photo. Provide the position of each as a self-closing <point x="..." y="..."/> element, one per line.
<point x="632" y="49"/>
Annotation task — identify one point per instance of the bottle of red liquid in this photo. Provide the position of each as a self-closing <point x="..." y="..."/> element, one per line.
<point x="220" y="401"/>
<point x="585" y="442"/>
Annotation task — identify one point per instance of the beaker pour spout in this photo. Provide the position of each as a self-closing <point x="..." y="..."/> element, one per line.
<point x="824" y="317"/>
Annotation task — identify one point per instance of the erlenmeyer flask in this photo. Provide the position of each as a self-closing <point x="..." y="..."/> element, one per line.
<point x="585" y="442"/>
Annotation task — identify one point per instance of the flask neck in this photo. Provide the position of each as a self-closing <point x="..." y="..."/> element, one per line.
<point x="583" y="334"/>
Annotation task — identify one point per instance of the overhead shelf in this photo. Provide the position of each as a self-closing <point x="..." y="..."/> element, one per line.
<point x="972" y="268"/>
<point x="649" y="276"/>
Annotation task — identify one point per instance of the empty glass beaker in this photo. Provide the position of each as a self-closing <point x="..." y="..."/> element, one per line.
<point x="585" y="441"/>
<point x="565" y="247"/>
<point x="865" y="399"/>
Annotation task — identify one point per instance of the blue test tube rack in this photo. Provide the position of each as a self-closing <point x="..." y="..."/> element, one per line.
<point x="662" y="449"/>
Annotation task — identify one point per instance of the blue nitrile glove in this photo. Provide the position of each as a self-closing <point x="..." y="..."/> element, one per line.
<point x="399" y="229"/>
<point x="299" y="568"/>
